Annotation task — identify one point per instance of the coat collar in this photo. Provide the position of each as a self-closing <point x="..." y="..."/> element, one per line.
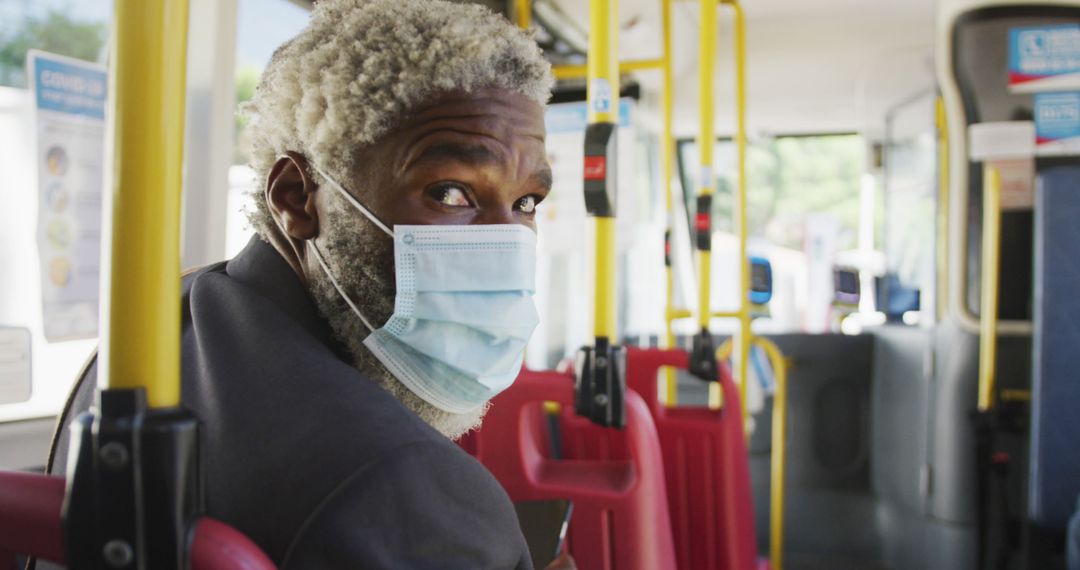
<point x="262" y="268"/>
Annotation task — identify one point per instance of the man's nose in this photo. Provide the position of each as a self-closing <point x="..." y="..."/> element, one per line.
<point x="500" y="215"/>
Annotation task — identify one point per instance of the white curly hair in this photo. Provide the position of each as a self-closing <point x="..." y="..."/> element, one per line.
<point x="360" y="66"/>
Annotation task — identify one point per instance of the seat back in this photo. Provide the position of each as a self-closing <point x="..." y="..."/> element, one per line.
<point x="620" y="515"/>
<point x="31" y="525"/>
<point x="1055" y="425"/>
<point x="705" y="463"/>
<point x="30" y="522"/>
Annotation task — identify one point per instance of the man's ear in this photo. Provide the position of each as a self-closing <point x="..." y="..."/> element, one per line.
<point x="290" y="194"/>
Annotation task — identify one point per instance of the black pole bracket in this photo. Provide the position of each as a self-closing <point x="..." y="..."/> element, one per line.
<point x="134" y="487"/>
<point x="703" y="357"/>
<point x="600" y="384"/>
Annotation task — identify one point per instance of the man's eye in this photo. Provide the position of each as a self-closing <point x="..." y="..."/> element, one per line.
<point x="450" y="195"/>
<point x="527" y="204"/>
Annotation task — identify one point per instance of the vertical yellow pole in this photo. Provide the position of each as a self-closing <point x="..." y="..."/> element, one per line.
<point x="991" y="245"/>
<point x="603" y="73"/>
<point x="668" y="158"/>
<point x="941" y="299"/>
<point x="743" y="338"/>
<point x="779" y="452"/>
<point x="523" y="13"/>
<point x="780" y="366"/>
<point x="603" y="68"/>
<point x="140" y="333"/>
<point x="706" y="176"/>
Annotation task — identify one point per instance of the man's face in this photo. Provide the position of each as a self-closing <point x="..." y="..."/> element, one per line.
<point x="469" y="159"/>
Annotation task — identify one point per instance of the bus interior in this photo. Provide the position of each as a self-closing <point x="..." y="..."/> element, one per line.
<point x="818" y="310"/>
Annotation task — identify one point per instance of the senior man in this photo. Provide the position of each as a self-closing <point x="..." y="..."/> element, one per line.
<point x="386" y="299"/>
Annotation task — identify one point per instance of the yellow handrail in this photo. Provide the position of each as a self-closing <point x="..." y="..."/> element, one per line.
<point x="706" y="177"/>
<point x="140" y="333"/>
<point x="941" y="299"/>
<point x="707" y="180"/>
<point x="1012" y="395"/>
<point x="605" y="230"/>
<point x="668" y="157"/>
<point x="780" y="365"/>
<point x="603" y="75"/>
<point x="743" y="338"/>
<point x="573" y="71"/>
<point x="988" y="317"/>
<point x="523" y="13"/>
<point x="779" y="452"/>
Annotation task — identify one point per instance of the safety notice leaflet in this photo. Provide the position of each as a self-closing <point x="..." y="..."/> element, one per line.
<point x="1057" y="123"/>
<point x="69" y="104"/>
<point x="1044" y="58"/>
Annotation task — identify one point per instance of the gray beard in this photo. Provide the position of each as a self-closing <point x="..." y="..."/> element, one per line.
<point x="361" y="258"/>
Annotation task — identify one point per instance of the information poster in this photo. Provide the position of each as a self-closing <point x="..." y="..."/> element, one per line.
<point x="69" y="100"/>
<point x="1044" y="58"/>
<point x="1057" y="123"/>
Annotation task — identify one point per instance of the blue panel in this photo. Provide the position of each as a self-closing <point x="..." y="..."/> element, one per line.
<point x="68" y="86"/>
<point x="1055" y="404"/>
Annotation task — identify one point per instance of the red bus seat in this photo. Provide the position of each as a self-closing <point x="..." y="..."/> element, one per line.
<point x="30" y="524"/>
<point x="705" y="464"/>
<point x="620" y="518"/>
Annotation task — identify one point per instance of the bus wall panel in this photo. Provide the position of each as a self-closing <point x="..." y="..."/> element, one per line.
<point x="900" y="411"/>
<point x="830" y="506"/>
<point x="952" y="497"/>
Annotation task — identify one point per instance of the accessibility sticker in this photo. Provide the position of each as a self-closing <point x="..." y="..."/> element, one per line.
<point x="1044" y="58"/>
<point x="1057" y="123"/>
<point x="600" y="95"/>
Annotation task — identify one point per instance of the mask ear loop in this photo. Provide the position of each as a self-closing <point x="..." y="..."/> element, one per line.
<point x="318" y="255"/>
<point x="356" y="203"/>
<point x="326" y="269"/>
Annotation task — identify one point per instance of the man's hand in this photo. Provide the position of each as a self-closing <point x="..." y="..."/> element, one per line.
<point x="563" y="562"/>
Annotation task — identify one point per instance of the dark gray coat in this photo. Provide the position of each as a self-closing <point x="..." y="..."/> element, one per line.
<point x="304" y="454"/>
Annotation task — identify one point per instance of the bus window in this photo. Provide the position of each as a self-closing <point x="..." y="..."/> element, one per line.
<point x="910" y="185"/>
<point x="803" y="211"/>
<point x="77" y="30"/>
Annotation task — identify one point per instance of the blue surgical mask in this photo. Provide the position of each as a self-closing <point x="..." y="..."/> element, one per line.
<point x="464" y="309"/>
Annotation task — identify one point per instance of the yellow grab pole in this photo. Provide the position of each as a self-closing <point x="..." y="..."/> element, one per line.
<point x="140" y="333"/>
<point x="779" y="452"/>
<point x="603" y="95"/>
<point x="523" y="13"/>
<point x="602" y="66"/>
<point x="604" y="324"/>
<point x="942" y="297"/>
<point x="668" y="158"/>
<point x="743" y="338"/>
<point x="706" y="177"/>
<point x="779" y="364"/>
<point x="991" y="245"/>
<point x="702" y="358"/>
